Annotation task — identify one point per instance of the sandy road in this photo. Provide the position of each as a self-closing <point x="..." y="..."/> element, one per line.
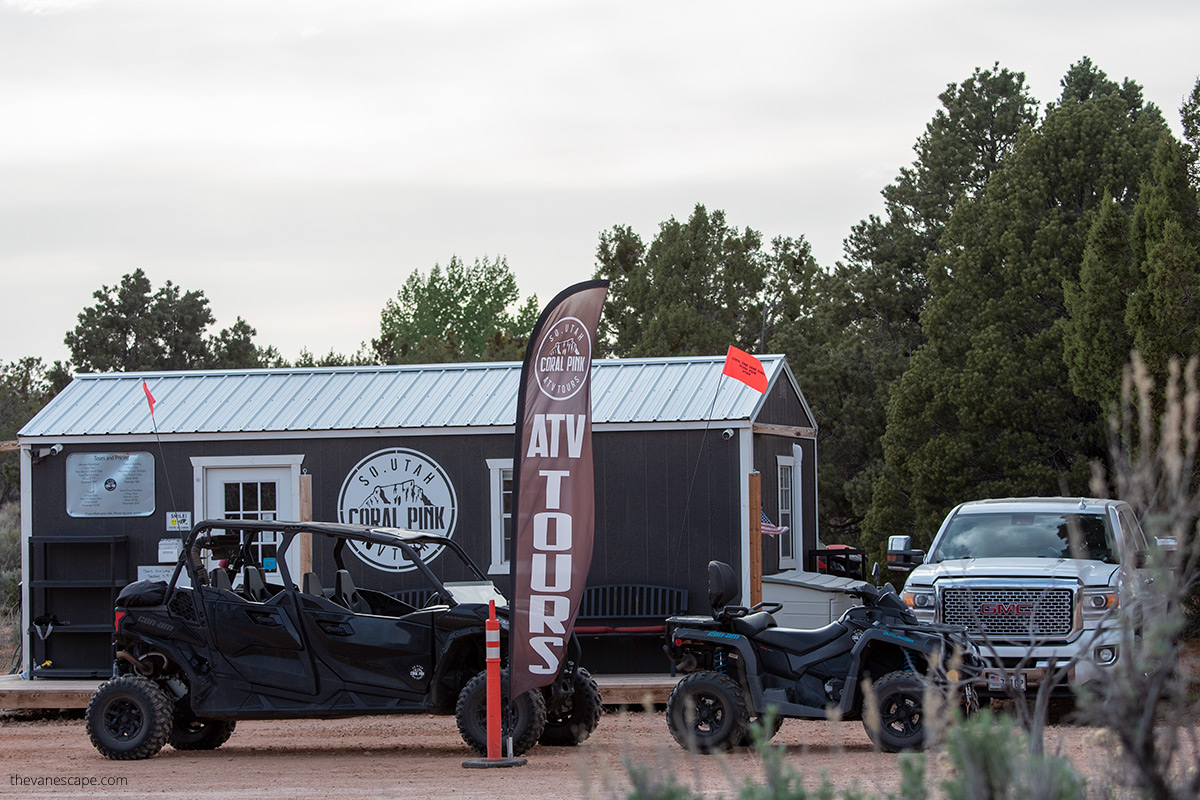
<point x="421" y="757"/>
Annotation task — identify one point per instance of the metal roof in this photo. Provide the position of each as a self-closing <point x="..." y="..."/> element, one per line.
<point x="635" y="390"/>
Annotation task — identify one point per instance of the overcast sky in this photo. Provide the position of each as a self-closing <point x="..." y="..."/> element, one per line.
<point x="296" y="159"/>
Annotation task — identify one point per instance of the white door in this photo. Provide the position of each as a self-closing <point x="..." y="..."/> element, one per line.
<point x="259" y="492"/>
<point x="786" y="473"/>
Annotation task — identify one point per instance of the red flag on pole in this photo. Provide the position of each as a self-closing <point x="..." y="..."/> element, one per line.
<point x="746" y="368"/>
<point x="149" y="397"/>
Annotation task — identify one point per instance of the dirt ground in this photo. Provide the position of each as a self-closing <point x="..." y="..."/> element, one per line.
<point x="422" y="757"/>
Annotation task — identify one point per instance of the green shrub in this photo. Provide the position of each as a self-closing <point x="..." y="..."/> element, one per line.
<point x="990" y="759"/>
<point x="10" y="556"/>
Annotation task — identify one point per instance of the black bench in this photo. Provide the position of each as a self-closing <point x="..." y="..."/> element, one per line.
<point x="628" y="609"/>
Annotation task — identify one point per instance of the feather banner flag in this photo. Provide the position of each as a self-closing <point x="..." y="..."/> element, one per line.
<point x="554" y="496"/>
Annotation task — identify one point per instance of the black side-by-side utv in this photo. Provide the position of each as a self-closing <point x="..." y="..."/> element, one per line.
<point x="225" y="640"/>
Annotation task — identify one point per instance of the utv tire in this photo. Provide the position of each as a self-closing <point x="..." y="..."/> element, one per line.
<point x="200" y="734"/>
<point x="707" y="713"/>
<point x="129" y="718"/>
<point x="524" y="719"/>
<point x="900" y="697"/>
<point x="574" y="721"/>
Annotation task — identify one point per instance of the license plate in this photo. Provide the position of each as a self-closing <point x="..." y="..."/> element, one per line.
<point x="998" y="681"/>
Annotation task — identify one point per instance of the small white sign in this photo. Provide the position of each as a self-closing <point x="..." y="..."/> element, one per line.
<point x="169" y="550"/>
<point x="179" y="521"/>
<point x="160" y="573"/>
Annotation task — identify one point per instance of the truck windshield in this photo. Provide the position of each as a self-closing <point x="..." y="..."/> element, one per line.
<point x="1046" y="535"/>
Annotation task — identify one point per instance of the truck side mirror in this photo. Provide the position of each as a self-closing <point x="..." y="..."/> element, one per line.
<point x="900" y="555"/>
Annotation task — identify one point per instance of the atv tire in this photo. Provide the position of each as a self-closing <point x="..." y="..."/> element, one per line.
<point x="707" y="713"/>
<point x="200" y="734"/>
<point x="579" y="714"/>
<point x="900" y="698"/>
<point x="524" y="719"/>
<point x="769" y="733"/>
<point x="129" y="718"/>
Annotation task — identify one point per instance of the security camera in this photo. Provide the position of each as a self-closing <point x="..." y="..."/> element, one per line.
<point x="727" y="434"/>
<point x="55" y="449"/>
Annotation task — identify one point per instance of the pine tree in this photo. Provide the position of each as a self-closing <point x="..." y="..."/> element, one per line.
<point x="864" y="325"/>
<point x="986" y="407"/>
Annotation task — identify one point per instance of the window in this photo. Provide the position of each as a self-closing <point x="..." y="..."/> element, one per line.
<point x="250" y="487"/>
<point x="787" y="541"/>
<point x="255" y="500"/>
<point x="500" y="478"/>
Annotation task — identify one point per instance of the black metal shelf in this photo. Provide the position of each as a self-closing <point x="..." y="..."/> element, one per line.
<point x="75" y="578"/>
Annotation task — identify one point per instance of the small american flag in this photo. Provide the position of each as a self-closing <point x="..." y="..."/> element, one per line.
<point x="770" y="528"/>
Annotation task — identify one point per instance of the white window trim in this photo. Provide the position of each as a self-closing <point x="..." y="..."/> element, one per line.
<point x="496" y="468"/>
<point x="202" y="463"/>
<point x="290" y="462"/>
<point x="780" y="463"/>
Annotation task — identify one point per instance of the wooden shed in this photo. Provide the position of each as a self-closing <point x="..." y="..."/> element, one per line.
<point x="108" y="491"/>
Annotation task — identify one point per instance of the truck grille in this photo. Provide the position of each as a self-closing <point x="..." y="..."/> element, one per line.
<point x="1010" y="614"/>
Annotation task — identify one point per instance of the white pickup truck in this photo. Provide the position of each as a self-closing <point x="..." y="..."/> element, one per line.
<point x="1036" y="580"/>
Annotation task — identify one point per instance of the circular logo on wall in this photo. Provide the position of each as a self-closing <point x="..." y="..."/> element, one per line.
<point x="564" y="359"/>
<point x="397" y="488"/>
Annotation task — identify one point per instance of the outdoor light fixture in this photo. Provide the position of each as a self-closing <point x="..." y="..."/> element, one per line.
<point x="38" y="453"/>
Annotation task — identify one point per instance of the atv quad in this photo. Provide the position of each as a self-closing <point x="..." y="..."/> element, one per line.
<point x="225" y="640"/>
<point x="743" y="667"/>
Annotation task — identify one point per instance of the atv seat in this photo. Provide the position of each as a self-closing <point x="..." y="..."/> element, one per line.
<point x="753" y="624"/>
<point x="799" y="640"/>
<point x="722" y="586"/>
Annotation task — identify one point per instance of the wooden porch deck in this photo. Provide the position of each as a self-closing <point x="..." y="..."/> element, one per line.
<point x="18" y="693"/>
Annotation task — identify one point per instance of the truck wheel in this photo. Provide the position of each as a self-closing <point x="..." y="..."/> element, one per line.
<point x="900" y="697"/>
<point x="129" y="718"/>
<point x="523" y="719"/>
<point x="707" y="713"/>
<point x="574" y="720"/>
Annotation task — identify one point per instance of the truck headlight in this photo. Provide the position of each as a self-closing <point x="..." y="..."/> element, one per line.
<point x="1098" y="602"/>
<point x="919" y="600"/>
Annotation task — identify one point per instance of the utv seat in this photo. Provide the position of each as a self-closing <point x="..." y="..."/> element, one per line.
<point x="311" y="584"/>
<point x="219" y="579"/>
<point x="253" y="586"/>
<point x="345" y="594"/>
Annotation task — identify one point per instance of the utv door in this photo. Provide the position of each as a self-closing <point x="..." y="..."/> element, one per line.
<point x="261" y="641"/>
<point x="383" y="655"/>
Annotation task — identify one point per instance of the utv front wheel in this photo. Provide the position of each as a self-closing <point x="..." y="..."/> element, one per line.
<point x="523" y="719"/>
<point x="707" y="713"/>
<point x="129" y="718"/>
<point x="900" y="698"/>
<point x="577" y="716"/>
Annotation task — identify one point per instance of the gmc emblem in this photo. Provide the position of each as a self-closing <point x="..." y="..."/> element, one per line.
<point x="1010" y="609"/>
